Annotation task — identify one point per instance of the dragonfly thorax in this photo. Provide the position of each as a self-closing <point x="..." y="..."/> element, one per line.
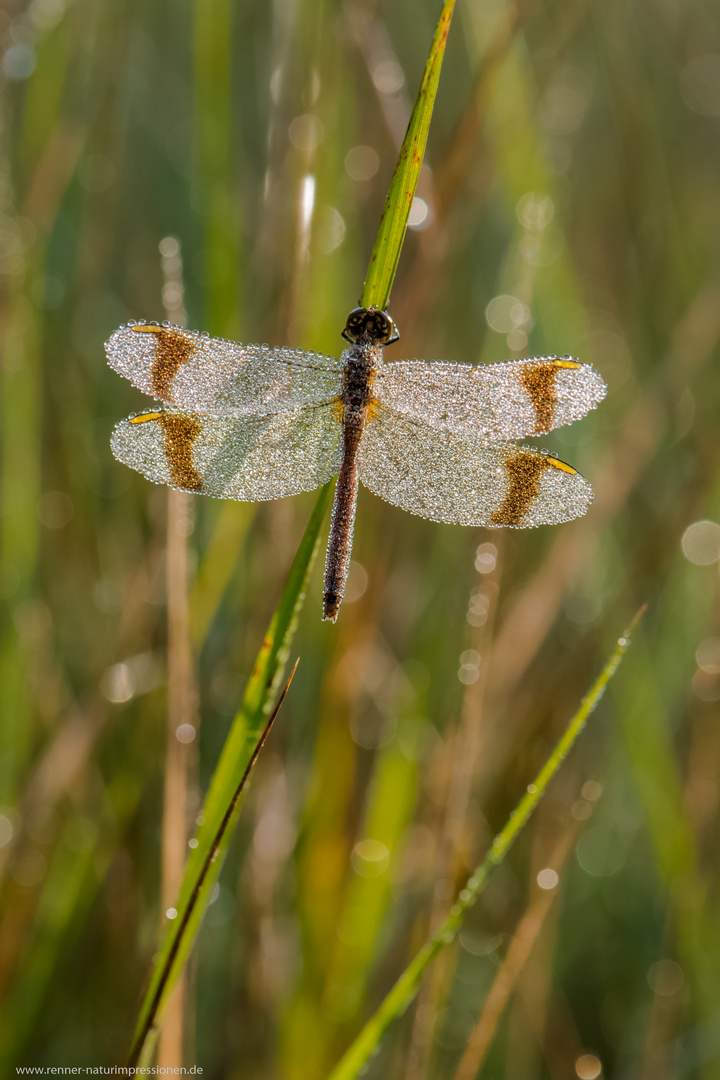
<point x="361" y="363"/>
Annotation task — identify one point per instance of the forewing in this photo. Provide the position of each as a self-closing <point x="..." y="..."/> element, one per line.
<point x="491" y="401"/>
<point x="250" y="458"/>
<point x="465" y="481"/>
<point x="204" y="374"/>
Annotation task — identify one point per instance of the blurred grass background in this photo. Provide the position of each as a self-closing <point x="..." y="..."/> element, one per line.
<point x="569" y="205"/>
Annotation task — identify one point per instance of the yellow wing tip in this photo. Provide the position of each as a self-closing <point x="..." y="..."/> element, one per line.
<point x="557" y="464"/>
<point x="566" y="364"/>
<point x="144" y="417"/>
<point x="147" y="329"/>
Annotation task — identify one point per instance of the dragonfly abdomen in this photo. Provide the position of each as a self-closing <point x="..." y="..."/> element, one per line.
<point x="362" y="361"/>
<point x="337" y="562"/>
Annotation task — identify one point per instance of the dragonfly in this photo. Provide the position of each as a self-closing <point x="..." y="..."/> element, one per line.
<point x="254" y="422"/>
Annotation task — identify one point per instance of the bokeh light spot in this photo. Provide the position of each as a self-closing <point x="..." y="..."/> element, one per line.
<point x="117" y="684"/>
<point x="547" y="879"/>
<point x="517" y="340"/>
<point x="55" y="509"/>
<point x="665" y="978"/>
<point x="6" y="830"/>
<point x="486" y="558"/>
<point x="362" y="163"/>
<point x="30" y="869"/>
<point x="701" y="543"/>
<point x="357" y="582"/>
<point x="420" y="216"/>
<point x="306" y="132"/>
<point x="706" y="685"/>
<point x="370" y="858"/>
<point x="19" y="61"/>
<point x="588" y="1067"/>
<point x="535" y="211"/>
<point x="707" y="655"/>
<point x="388" y="77"/>
<point x="591" y="790"/>
<point x="601" y="851"/>
<point x="504" y="313"/>
<point x="329" y="229"/>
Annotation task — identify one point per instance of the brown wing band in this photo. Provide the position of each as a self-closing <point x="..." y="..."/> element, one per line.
<point x="523" y="472"/>
<point x="180" y="434"/>
<point x="539" y="381"/>
<point x="172" y="350"/>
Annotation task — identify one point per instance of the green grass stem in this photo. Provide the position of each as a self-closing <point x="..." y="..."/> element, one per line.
<point x="170" y="970"/>
<point x="393" y="224"/>
<point x="368" y="1041"/>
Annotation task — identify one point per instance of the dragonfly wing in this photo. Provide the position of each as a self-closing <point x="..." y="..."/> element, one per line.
<point x="247" y="458"/>
<point x="204" y="374"/>
<point x="491" y="401"/>
<point x="465" y="481"/>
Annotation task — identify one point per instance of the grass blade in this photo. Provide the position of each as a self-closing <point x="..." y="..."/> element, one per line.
<point x="404" y="990"/>
<point x="393" y="224"/>
<point x="180" y="941"/>
<point x="247" y="734"/>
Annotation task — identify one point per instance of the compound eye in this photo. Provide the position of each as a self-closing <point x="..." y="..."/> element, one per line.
<point x="355" y="325"/>
<point x="384" y="328"/>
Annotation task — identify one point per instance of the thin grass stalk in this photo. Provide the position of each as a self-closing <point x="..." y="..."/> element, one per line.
<point x="182" y="712"/>
<point x="661" y="1024"/>
<point x="533" y="1002"/>
<point x="453" y="856"/>
<point x="526" y="934"/>
<point x="368" y="1041"/>
<point x="219" y="840"/>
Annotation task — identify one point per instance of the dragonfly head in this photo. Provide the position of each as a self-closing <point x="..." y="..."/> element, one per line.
<point x="370" y="325"/>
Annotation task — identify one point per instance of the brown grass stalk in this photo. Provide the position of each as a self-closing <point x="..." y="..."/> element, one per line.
<point x="182" y="702"/>
<point x="456" y="846"/>
<point x="518" y="953"/>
